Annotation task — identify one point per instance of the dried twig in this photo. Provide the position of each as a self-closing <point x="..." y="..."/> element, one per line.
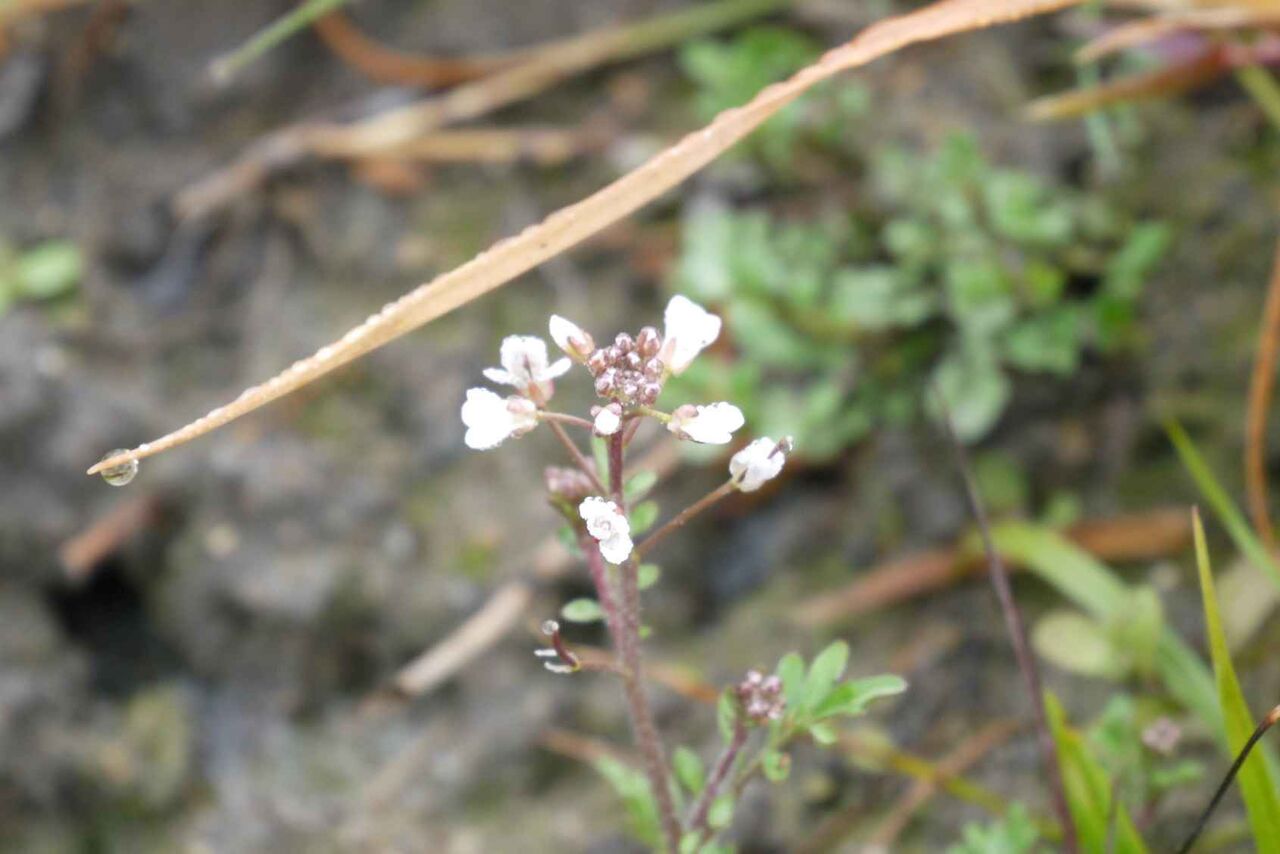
<point x="542" y="69"/>
<point x="80" y="554"/>
<point x="571" y="225"/>
<point x="393" y="67"/>
<point x="1261" y="385"/>
<point x="1017" y="634"/>
<point x="1131" y="537"/>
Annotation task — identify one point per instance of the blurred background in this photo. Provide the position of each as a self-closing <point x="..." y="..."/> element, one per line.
<point x="214" y="657"/>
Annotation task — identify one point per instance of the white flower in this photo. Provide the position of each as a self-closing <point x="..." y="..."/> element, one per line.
<point x="758" y="462"/>
<point x="710" y="425"/>
<point x="688" y="328"/>
<point x="571" y="338"/>
<point x="524" y="365"/>
<point x="608" y="527"/>
<point x="608" y="419"/>
<point x="492" y="420"/>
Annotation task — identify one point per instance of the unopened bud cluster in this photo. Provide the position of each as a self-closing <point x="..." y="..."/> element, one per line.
<point x="628" y="370"/>
<point x="570" y="484"/>
<point x="761" y="697"/>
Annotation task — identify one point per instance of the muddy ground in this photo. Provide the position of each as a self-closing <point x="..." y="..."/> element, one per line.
<point x="215" y="682"/>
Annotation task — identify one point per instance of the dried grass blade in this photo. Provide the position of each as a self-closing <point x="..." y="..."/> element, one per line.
<point x="570" y="225"/>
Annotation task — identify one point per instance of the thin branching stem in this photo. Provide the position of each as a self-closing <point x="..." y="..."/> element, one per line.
<point x="719" y="773"/>
<point x="623" y="621"/>
<point x="564" y="418"/>
<point x="1017" y="632"/>
<point x="678" y="521"/>
<point x="1266" y="724"/>
<point x="583" y="463"/>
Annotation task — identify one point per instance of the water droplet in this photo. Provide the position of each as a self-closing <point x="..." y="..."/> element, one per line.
<point x="121" y="474"/>
<point x="550" y="627"/>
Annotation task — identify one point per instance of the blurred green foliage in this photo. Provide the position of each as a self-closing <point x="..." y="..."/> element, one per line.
<point x="958" y="273"/>
<point x="41" y="273"/>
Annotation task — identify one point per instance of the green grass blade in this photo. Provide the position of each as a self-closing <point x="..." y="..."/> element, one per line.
<point x="273" y="34"/>
<point x="1089" y="791"/>
<point x="1257" y="786"/>
<point x="1223" y="507"/>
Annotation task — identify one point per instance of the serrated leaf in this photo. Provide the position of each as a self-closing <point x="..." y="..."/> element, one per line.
<point x="689" y="769"/>
<point x="826" y="669"/>
<point x="776" y="765"/>
<point x="791" y="672"/>
<point x="1257" y="787"/>
<point x="647" y="575"/>
<point x="582" y="611"/>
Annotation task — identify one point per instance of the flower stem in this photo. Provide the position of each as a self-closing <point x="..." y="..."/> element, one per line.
<point x="615" y="469"/>
<point x="583" y="463"/>
<point x="563" y="418"/>
<point x="719" y="773"/>
<point x="680" y="519"/>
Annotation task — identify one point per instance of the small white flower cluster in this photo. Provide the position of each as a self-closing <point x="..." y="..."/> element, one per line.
<point x="629" y="374"/>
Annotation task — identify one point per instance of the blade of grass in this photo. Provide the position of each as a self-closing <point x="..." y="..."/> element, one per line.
<point x="571" y="225"/>
<point x="1261" y="386"/>
<point x="1257" y="785"/>
<point x="284" y="27"/>
<point x="1089" y="791"/>
<point x="1223" y="507"/>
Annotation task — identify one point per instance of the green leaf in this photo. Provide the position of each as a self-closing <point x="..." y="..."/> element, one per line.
<point x="825" y="671"/>
<point x="823" y="734"/>
<point x="639" y="484"/>
<point x="1257" y="786"/>
<point x="1077" y="643"/>
<point x="776" y="765"/>
<point x="643" y="515"/>
<point x="49" y="270"/>
<point x="689" y="769"/>
<point x="1012" y="833"/>
<point x="1092" y="586"/>
<point x="852" y="697"/>
<point x="975" y="389"/>
<point x="582" y="611"/>
<point x="647" y="575"/>
<point x="1128" y="269"/>
<point x="791" y="672"/>
<point x="1089" y="791"/>
<point x="727" y="714"/>
<point x="1049" y="342"/>
<point x="878" y="298"/>
<point x="632" y="787"/>
<point x="1223" y="507"/>
<point x="721" y="812"/>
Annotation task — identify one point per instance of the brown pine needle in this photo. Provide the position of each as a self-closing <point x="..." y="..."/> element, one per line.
<point x="1261" y="385"/>
<point x="571" y="225"/>
<point x="1161" y="83"/>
